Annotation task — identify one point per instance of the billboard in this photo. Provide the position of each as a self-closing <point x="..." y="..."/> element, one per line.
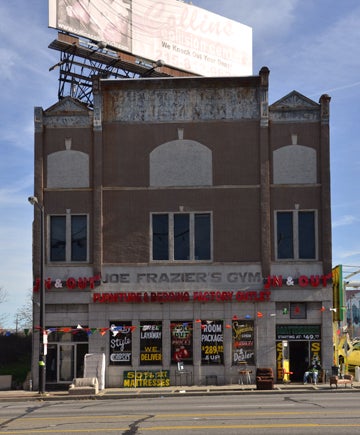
<point x="182" y="35"/>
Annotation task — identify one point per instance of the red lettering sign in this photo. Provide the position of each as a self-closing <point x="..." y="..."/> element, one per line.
<point x="70" y="283"/>
<point x="162" y="297"/>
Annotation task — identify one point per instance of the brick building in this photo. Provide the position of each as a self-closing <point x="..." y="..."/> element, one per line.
<point x="186" y="220"/>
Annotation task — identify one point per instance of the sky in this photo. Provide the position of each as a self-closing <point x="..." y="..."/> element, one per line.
<point x="311" y="46"/>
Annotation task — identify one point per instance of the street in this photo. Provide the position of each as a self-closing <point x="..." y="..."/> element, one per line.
<point x="333" y="412"/>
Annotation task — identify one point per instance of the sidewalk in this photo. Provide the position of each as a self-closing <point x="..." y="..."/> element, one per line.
<point x="127" y="393"/>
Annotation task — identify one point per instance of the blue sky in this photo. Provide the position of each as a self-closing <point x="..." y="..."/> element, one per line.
<point x="311" y="46"/>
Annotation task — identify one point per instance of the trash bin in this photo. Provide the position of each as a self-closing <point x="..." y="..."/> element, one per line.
<point x="335" y="370"/>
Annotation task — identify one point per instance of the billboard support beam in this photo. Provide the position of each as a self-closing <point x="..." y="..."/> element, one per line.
<point x="81" y="60"/>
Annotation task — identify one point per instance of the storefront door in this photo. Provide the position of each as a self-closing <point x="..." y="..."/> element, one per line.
<point x="299" y="359"/>
<point x="64" y="362"/>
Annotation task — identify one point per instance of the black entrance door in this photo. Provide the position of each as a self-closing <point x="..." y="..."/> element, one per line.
<point x="299" y="359"/>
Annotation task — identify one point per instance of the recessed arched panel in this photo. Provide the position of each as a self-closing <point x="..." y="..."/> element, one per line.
<point x="68" y="169"/>
<point x="294" y="164"/>
<point x="181" y="163"/>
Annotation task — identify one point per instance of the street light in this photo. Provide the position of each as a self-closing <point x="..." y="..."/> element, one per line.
<point x="42" y="351"/>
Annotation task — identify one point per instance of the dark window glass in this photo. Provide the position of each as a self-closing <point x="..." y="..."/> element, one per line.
<point x="181" y="237"/>
<point x="285" y="243"/>
<point x="151" y="343"/>
<point x="202" y="236"/>
<point x="306" y="234"/>
<point x="181" y="342"/>
<point x="57" y="238"/>
<point x="160" y="233"/>
<point x="298" y="310"/>
<point x="68" y="334"/>
<point x="121" y="345"/>
<point x="78" y="238"/>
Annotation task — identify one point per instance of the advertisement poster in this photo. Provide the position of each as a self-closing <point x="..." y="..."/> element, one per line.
<point x="181" y="342"/>
<point x="212" y="342"/>
<point x="243" y="342"/>
<point x="120" y="343"/>
<point x="150" y="343"/>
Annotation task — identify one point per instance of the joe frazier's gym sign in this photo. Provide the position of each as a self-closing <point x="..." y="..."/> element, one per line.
<point x="183" y="296"/>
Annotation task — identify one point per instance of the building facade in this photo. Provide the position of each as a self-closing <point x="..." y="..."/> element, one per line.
<point x="186" y="221"/>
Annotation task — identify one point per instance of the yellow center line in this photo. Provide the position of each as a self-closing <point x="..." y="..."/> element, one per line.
<point x="192" y="414"/>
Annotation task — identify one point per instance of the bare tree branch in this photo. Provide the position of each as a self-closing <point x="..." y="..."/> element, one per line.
<point x="25" y="312"/>
<point x="3" y="298"/>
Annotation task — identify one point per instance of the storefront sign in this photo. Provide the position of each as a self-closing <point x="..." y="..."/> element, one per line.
<point x="302" y="281"/>
<point x="244" y="277"/>
<point x="231" y="277"/>
<point x="298" y="332"/>
<point x="150" y="343"/>
<point x="149" y="378"/>
<point x="243" y="342"/>
<point x="69" y="283"/>
<point x="202" y="296"/>
<point x="181" y="342"/>
<point x="120" y="343"/>
<point x="212" y="342"/>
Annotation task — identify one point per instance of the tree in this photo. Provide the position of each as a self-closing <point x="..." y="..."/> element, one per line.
<point x="3" y="298"/>
<point x="24" y="314"/>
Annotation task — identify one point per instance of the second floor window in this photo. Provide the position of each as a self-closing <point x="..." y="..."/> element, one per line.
<point x="68" y="238"/>
<point x="181" y="236"/>
<point x="296" y="235"/>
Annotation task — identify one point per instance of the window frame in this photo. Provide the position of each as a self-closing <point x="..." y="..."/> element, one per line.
<point x="68" y="238"/>
<point x="302" y="310"/>
<point x="295" y="235"/>
<point x="192" y="237"/>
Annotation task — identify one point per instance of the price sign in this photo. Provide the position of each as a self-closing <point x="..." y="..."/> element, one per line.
<point x="212" y="342"/>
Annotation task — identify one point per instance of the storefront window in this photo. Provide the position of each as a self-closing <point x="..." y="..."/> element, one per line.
<point x="120" y="343"/>
<point x="71" y="334"/>
<point x="212" y="342"/>
<point x="181" y="342"/>
<point x="243" y="342"/>
<point x="150" y="343"/>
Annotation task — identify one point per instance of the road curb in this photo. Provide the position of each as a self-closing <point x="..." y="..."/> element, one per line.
<point x="14" y="396"/>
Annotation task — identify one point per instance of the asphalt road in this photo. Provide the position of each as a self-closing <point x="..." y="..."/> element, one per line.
<point x="312" y="413"/>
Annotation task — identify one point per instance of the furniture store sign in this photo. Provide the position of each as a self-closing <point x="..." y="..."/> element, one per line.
<point x="196" y="296"/>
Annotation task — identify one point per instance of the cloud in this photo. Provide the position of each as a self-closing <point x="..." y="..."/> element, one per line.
<point x="349" y="254"/>
<point x="344" y="220"/>
<point x="14" y="194"/>
<point x="328" y="55"/>
<point x="267" y="20"/>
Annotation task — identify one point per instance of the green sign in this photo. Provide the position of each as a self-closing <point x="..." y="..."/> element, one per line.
<point x="298" y="332"/>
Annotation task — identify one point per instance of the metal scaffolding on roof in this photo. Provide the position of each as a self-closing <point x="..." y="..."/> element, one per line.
<point x="82" y="60"/>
